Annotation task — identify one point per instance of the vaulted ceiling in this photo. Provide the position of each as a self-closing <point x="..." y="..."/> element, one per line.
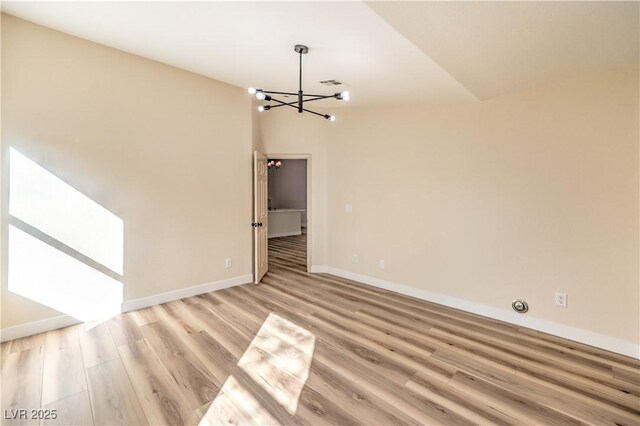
<point x="384" y="52"/>
<point x="494" y="48"/>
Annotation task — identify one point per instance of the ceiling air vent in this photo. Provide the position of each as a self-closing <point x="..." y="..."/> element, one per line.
<point x="331" y="82"/>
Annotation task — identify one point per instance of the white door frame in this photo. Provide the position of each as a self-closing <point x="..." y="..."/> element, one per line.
<point x="280" y="156"/>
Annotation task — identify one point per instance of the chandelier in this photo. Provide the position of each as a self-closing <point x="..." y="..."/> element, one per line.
<point x="276" y="164"/>
<point x="302" y="98"/>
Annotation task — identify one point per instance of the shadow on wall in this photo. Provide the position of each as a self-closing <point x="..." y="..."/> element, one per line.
<point x="65" y="250"/>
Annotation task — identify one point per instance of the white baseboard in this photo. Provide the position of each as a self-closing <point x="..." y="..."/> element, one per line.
<point x="158" y="299"/>
<point x="317" y="269"/>
<point x="35" y="327"/>
<point x="598" y="340"/>
<point x="284" y="234"/>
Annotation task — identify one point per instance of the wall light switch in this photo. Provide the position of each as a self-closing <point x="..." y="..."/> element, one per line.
<point x="348" y="208"/>
<point x="227" y="263"/>
<point x="354" y="258"/>
<point x="381" y="263"/>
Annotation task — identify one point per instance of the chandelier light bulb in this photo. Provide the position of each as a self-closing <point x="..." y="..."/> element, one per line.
<point x="260" y="96"/>
<point x="276" y="164"/>
<point x="345" y="95"/>
<point x="261" y="108"/>
<point x="330" y="117"/>
<point x="264" y="108"/>
<point x="251" y="90"/>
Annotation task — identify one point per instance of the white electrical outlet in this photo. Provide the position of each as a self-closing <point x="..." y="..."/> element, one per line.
<point x="354" y="258"/>
<point x="348" y="208"/>
<point x="227" y="263"/>
<point x="561" y="299"/>
<point x="381" y="263"/>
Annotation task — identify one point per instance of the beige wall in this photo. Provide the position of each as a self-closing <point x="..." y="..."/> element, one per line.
<point x="166" y="150"/>
<point x="520" y="196"/>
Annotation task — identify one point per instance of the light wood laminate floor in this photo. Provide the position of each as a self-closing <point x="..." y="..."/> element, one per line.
<point x="313" y="349"/>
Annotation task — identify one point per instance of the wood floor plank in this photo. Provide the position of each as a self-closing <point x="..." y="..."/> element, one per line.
<point x="5" y="348"/>
<point x="160" y="395"/>
<point x="144" y="316"/>
<point x="21" y="384"/>
<point x="73" y="410"/>
<point x="28" y="342"/>
<point x="96" y="343"/>
<point x="124" y="329"/>
<point x="627" y="375"/>
<point x="174" y="316"/>
<point x="63" y="372"/>
<point x="196" y="383"/>
<point x="457" y="401"/>
<point x="515" y="404"/>
<point x="113" y="399"/>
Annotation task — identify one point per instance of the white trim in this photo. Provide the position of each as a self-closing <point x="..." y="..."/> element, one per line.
<point x="158" y="299"/>
<point x="319" y="269"/>
<point x="35" y="327"/>
<point x="598" y="340"/>
<point x="284" y="234"/>
<point x="41" y="326"/>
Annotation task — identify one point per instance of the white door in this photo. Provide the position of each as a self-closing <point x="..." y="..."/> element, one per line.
<point x="260" y="216"/>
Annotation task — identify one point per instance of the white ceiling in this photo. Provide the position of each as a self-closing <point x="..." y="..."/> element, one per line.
<point x="386" y="52"/>
<point x="495" y="48"/>
<point x="251" y="44"/>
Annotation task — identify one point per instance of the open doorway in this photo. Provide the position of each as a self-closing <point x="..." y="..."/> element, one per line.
<point x="288" y="211"/>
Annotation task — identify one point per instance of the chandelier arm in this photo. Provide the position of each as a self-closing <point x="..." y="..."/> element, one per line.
<point x="313" y="112"/>
<point x="318" y="98"/>
<point x="279" y="93"/>
<point x="308" y="94"/>
<point x="291" y="104"/>
<point x="295" y="102"/>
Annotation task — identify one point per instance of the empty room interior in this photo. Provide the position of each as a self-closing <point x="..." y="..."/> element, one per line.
<point x="309" y="212"/>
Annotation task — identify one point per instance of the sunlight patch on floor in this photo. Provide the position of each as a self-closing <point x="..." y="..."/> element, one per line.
<point x="235" y="405"/>
<point x="278" y="360"/>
